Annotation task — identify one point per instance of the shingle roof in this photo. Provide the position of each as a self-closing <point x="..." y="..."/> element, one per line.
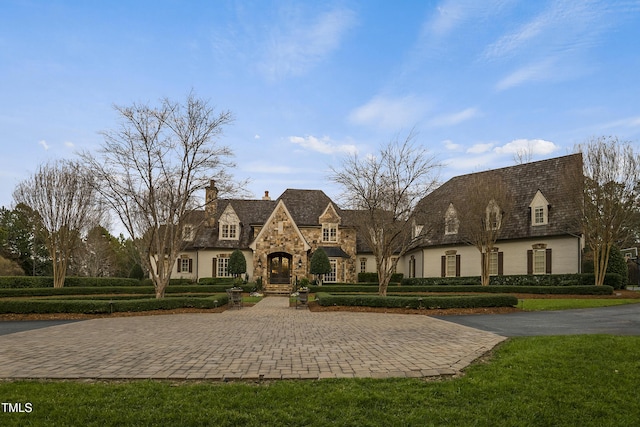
<point x="249" y="212"/>
<point x="523" y="181"/>
<point x="306" y="206"/>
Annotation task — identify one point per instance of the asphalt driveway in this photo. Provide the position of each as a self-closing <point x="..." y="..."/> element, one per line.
<point x="616" y="320"/>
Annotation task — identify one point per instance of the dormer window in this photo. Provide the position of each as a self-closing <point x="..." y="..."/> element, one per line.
<point x="494" y="216"/>
<point x="451" y="221"/>
<point x="330" y="233"/>
<point x="187" y="233"/>
<point x="229" y="225"/>
<point x="539" y="210"/>
<point x="229" y="231"/>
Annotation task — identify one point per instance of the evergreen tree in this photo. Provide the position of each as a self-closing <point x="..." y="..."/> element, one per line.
<point x="320" y="263"/>
<point x="237" y="263"/>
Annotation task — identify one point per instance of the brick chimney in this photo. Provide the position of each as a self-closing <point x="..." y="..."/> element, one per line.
<point x="211" y="195"/>
<point x="266" y="196"/>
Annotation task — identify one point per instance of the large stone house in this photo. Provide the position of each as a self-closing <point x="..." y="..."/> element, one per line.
<point x="278" y="237"/>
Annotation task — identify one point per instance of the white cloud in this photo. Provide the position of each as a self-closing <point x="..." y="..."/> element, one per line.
<point x="533" y="72"/>
<point x="324" y="145"/>
<point x="389" y="113"/>
<point x="450" y="145"/>
<point x="453" y="119"/>
<point x="531" y="146"/>
<point x="453" y="14"/>
<point x="69" y="144"/>
<point x="480" y="148"/>
<point x="256" y="136"/>
<point x="43" y="144"/>
<point x="629" y="122"/>
<point x="296" y="46"/>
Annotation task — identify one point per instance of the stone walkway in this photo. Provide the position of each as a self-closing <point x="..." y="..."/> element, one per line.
<point x="266" y="341"/>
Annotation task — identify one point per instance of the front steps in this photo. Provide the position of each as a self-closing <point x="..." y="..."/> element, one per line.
<point x="271" y="289"/>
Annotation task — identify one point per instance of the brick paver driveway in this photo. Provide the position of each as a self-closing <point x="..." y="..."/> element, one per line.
<point x="269" y="341"/>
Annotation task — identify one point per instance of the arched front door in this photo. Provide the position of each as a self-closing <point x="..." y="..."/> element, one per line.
<point x="280" y="268"/>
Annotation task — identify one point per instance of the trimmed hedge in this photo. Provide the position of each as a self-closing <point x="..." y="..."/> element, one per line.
<point x="102" y="307"/>
<point x="585" y="279"/>
<point x="13" y="282"/>
<point x="556" y="290"/>
<point x="373" y="277"/>
<point x="327" y="299"/>
<point x="134" y="290"/>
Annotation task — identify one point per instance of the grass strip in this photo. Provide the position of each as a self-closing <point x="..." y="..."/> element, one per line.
<point x="568" y="304"/>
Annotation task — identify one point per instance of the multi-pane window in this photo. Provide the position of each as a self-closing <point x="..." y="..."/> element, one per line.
<point x="451" y="225"/>
<point x="451" y="266"/>
<point x="539" y="261"/>
<point x="330" y="233"/>
<point x="187" y="233"/>
<point x="493" y="263"/>
<point x="538" y="215"/>
<point x="331" y="277"/>
<point x="229" y="231"/>
<point x="184" y="264"/>
<point x="363" y="265"/>
<point x="223" y="266"/>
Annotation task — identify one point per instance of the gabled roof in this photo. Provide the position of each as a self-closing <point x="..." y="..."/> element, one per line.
<point x="249" y="212"/>
<point x="523" y="181"/>
<point x="306" y="206"/>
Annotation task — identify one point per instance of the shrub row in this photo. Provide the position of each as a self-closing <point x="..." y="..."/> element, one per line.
<point x="585" y="279"/>
<point x="373" y="277"/>
<point x="104" y="290"/>
<point x="12" y="282"/>
<point x="556" y="290"/>
<point x="326" y="299"/>
<point x="101" y="307"/>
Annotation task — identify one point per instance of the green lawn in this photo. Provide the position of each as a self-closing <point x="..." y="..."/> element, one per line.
<point x="536" y="381"/>
<point x="567" y="304"/>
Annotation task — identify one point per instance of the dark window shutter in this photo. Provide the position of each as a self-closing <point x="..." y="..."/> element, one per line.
<point x="529" y="261"/>
<point x="548" y="261"/>
<point x="443" y="266"/>
<point x="457" y="265"/>
<point x="179" y="262"/>
<point x="500" y="263"/>
<point x="190" y="265"/>
<point x="214" y="268"/>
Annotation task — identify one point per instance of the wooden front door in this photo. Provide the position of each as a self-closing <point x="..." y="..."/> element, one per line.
<point x="280" y="268"/>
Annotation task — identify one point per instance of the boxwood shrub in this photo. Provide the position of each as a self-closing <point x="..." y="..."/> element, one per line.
<point x="557" y="290"/>
<point x="431" y="302"/>
<point x="104" y="306"/>
<point x="47" y="282"/>
<point x="585" y="279"/>
<point x="373" y="277"/>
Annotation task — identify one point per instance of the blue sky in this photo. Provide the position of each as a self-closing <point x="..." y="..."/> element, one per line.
<point x="310" y="81"/>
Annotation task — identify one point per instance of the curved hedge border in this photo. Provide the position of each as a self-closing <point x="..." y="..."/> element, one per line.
<point x="556" y="290"/>
<point x="103" y="307"/>
<point x="474" y="301"/>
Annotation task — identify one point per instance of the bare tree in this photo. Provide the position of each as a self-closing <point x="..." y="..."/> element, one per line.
<point x="523" y="155"/>
<point x="609" y="190"/>
<point x="63" y="195"/>
<point x="487" y="206"/>
<point x="383" y="191"/>
<point x="152" y="169"/>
